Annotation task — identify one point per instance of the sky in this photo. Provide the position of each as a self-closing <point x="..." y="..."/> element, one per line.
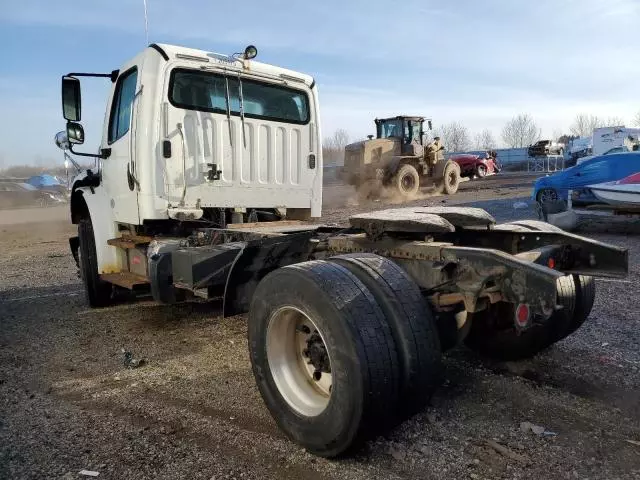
<point x="479" y="62"/>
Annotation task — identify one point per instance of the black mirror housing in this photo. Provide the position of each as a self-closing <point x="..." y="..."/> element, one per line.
<point x="75" y="133"/>
<point x="71" y="99"/>
<point x="429" y="125"/>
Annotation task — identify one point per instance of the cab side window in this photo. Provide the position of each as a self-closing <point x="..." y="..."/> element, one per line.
<point x="120" y="118"/>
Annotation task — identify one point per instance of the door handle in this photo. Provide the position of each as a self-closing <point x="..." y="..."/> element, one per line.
<point x="312" y="160"/>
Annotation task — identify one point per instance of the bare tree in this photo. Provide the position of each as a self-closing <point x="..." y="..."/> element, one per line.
<point x="338" y="140"/>
<point x="520" y="131"/>
<point x="613" y="122"/>
<point x="455" y="137"/>
<point x="636" y="120"/>
<point x="333" y="147"/>
<point x="485" y="140"/>
<point x="584" y="124"/>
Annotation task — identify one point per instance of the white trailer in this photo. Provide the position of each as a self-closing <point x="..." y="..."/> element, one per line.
<point x="607" y="138"/>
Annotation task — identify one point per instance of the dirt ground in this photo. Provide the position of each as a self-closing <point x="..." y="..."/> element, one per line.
<point x="68" y="403"/>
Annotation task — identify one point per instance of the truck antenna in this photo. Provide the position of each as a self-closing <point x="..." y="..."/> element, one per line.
<point x="146" y="22"/>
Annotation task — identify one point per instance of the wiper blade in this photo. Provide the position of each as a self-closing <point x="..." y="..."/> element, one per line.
<point x="226" y="80"/>
<point x="244" y="138"/>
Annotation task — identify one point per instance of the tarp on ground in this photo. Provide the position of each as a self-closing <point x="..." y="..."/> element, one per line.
<point x="44" y="180"/>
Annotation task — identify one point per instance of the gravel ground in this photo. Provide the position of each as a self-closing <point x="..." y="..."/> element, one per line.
<point x="67" y="402"/>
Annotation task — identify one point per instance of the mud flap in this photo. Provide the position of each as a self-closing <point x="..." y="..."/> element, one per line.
<point x="255" y="261"/>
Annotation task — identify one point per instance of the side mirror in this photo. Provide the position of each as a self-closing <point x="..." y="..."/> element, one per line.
<point x="250" y="52"/>
<point x="75" y="133"/>
<point x="429" y="125"/>
<point x="71" y="101"/>
<point x="62" y="142"/>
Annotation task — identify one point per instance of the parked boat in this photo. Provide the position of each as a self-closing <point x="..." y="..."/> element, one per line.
<point x="625" y="192"/>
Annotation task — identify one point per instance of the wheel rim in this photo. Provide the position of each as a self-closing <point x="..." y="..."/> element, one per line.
<point x="482" y="170"/>
<point x="299" y="361"/>
<point x="407" y="182"/>
<point x="548" y="196"/>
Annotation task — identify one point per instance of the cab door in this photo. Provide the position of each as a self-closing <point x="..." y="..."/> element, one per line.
<point x="118" y="170"/>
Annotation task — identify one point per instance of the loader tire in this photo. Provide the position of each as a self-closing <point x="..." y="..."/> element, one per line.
<point x="493" y="334"/>
<point x="407" y="181"/>
<point x="97" y="292"/>
<point x="412" y="324"/>
<point x="451" y="178"/>
<point x="318" y="316"/>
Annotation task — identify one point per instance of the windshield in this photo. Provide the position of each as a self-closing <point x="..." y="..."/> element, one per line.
<point x="390" y="128"/>
<point x="205" y="91"/>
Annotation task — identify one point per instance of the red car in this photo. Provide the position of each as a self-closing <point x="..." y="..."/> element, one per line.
<point x="479" y="165"/>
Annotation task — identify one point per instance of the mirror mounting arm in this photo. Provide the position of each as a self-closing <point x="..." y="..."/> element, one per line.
<point x="113" y="76"/>
<point x="104" y="153"/>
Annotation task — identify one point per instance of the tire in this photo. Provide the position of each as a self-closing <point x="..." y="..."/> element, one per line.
<point x="585" y="296"/>
<point x="493" y="334"/>
<point x="364" y="376"/>
<point x="97" y="292"/>
<point x="481" y="171"/>
<point x="547" y="196"/>
<point x="412" y="325"/>
<point x="451" y="178"/>
<point x="407" y="181"/>
<point x="585" y="285"/>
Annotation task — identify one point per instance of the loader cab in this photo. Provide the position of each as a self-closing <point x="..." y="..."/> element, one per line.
<point x="408" y="129"/>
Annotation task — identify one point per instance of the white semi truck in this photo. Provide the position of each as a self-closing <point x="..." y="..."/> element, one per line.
<point x="208" y="175"/>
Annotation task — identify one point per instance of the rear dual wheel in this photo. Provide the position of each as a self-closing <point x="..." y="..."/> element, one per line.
<point x="494" y="335"/>
<point x="338" y="354"/>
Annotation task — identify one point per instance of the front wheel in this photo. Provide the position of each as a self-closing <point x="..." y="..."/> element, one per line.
<point x="407" y="181"/>
<point x="98" y="293"/>
<point x="481" y="171"/>
<point x="547" y="196"/>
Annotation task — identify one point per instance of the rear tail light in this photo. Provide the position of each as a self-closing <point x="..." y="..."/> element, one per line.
<point x="522" y="315"/>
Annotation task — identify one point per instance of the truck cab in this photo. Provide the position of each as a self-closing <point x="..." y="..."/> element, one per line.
<point x="195" y="136"/>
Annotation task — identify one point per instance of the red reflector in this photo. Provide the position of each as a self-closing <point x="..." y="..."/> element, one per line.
<point x="522" y="314"/>
<point x="551" y="263"/>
